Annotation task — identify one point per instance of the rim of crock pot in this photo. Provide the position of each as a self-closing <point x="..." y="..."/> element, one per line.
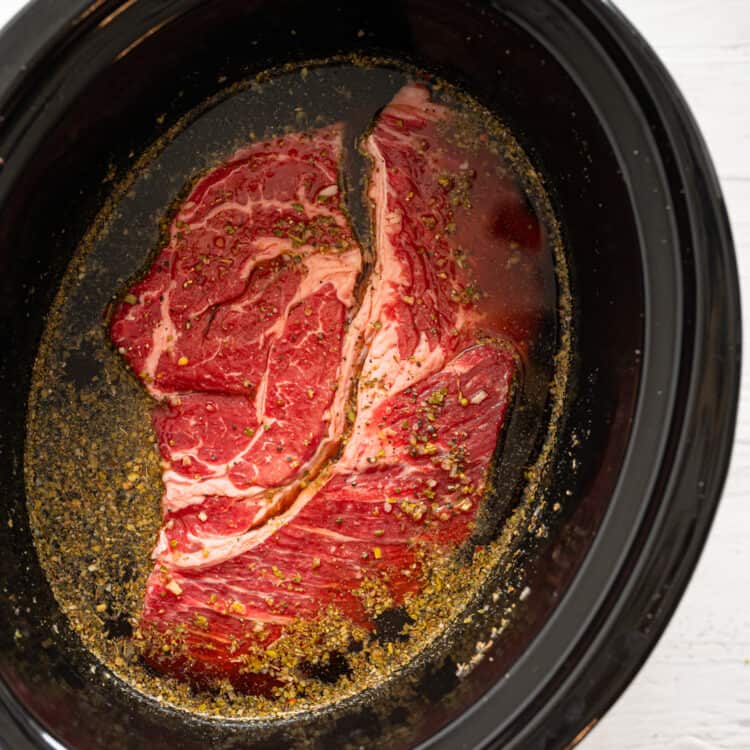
<point x="44" y="29"/>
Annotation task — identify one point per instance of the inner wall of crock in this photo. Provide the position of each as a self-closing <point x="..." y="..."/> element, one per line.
<point x="106" y="110"/>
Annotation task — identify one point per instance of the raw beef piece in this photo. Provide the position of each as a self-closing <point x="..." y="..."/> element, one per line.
<point x="238" y="326"/>
<point x="433" y="389"/>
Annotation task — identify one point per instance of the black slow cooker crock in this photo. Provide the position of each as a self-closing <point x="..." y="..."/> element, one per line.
<point x="656" y="337"/>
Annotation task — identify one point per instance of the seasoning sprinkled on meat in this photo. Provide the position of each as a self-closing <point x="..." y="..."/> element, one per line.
<point x="432" y="391"/>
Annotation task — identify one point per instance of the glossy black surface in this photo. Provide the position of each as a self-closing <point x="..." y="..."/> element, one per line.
<point x="656" y="320"/>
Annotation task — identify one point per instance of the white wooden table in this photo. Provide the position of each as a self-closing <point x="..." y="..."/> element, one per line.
<point x="694" y="692"/>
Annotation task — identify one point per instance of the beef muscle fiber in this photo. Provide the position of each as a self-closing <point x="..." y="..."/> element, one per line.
<point x="255" y="545"/>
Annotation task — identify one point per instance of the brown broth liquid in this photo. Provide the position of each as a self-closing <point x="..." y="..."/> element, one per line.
<point x="92" y="468"/>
